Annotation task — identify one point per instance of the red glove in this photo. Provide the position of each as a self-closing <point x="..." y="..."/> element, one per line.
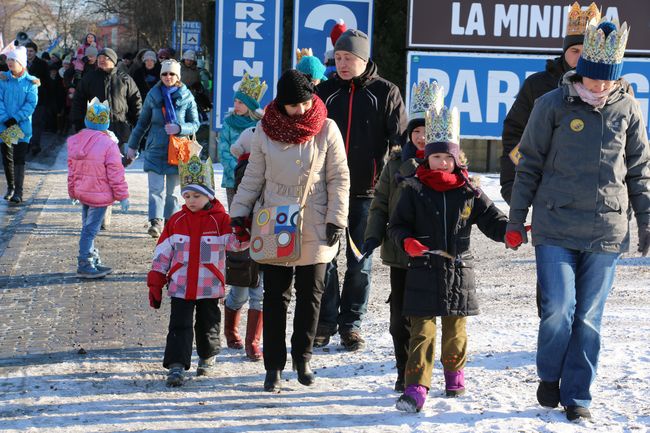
<point x="516" y="235"/>
<point x="240" y="227"/>
<point x="156" y="281"/>
<point x="414" y="248"/>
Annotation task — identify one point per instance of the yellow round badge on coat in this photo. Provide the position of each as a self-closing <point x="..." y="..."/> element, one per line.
<point x="577" y="125"/>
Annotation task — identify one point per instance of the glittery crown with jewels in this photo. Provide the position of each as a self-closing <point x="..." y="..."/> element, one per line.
<point x="423" y="96"/>
<point x="253" y="87"/>
<point x="603" y="50"/>
<point x="197" y="175"/>
<point x="98" y="115"/>
<point x="578" y="19"/>
<point x="441" y="123"/>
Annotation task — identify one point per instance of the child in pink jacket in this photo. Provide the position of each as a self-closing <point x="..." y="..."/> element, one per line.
<point x="96" y="180"/>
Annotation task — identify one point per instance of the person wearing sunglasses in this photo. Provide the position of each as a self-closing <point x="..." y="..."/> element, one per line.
<point x="168" y="109"/>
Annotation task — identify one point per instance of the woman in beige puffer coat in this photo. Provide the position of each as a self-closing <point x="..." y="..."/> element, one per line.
<point x="294" y="128"/>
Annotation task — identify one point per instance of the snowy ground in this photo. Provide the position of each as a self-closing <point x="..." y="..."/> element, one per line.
<point x="124" y="391"/>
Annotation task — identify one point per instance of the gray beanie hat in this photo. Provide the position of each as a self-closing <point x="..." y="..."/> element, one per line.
<point x="355" y="42"/>
<point x="110" y="53"/>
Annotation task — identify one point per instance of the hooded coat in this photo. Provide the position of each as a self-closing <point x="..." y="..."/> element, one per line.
<point x="435" y="285"/>
<point x="276" y="175"/>
<point x="581" y="169"/>
<point x="18" y="99"/>
<point x="370" y="113"/>
<point x="95" y="170"/>
<point x="157" y="142"/>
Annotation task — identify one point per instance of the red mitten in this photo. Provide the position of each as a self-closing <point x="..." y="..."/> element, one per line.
<point x="156" y="281"/>
<point x="414" y="248"/>
<point x="516" y="235"/>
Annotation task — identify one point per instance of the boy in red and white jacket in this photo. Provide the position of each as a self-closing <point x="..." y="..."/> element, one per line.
<point x="190" y="259"/>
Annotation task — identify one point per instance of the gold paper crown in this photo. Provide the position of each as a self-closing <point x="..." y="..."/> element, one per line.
<point x="253" y="87"/>
<point x="441" y="123"/>
<point x="196" y="172"/>
<point x="601" y="48"/>
<point x="423" y="96"/>
<point x="302" y="53"/>
<point x="578" y="19"/>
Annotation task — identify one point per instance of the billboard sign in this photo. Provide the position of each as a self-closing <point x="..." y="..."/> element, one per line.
<point x="313" y="21"/>
<point x="506" y="25"/>
<point x="484" y="86"/>
<point x="248" y="39"/>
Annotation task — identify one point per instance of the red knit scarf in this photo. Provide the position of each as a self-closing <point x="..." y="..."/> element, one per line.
<point x="298" y="129"/>
<point x="439" y="180"/>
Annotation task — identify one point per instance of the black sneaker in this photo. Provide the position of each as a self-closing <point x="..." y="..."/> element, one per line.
<point x="577" y="413"/>
<point x="322" y="337"/>
<point x="548" y="393"/>
<point x="352" y="341"/>
<point x="272" y="380"/>
<point x="206" y="366"/>
<point x="156" y="228"/>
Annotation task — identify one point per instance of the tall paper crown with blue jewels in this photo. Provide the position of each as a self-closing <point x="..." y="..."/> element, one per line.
<point x="603" y="50"/>
<point x="423" y="96"/>
<point x="442" y="124"/>
<point x="197" y="175"/>
<point x="251" y="91"/>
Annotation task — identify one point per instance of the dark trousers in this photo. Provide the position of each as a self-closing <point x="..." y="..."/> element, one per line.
<point x="38" y="124"/>
<point x="399" y="325"/>
<point x="207" y="328"/>
<point x="309" y="284"/>
<point x="13" y="156"/>
<point x="347" y="307"/>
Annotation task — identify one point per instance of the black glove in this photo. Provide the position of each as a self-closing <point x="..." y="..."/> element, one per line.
<point x="334" y="234"/>
<point x="10" y="122"/>
<point x="369" y="246"/>
<point x="644" y="240"/>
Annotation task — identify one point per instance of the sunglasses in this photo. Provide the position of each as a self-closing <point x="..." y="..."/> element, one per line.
<point x="164" y="74"/>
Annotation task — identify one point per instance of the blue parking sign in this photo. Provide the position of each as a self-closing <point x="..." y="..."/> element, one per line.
<point x="248" y="40"/>
<point x="313" y="21"/>
<point x="484" y="86"/>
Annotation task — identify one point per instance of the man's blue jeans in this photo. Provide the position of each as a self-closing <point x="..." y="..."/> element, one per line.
<point x="352" y="300"/>
<point x="574" y="286"/>
<point x="91" y="221"/>
<point x="160" y="206"/>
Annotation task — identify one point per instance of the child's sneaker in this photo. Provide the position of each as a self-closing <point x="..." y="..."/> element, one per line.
<point x="206" y="366"/>
<point x="454" y="383"/>
<point x="156" y="228"/>
<point x="97" y="261"/>
<point x="87" y="270"/>
<point x="175" y="376"/>
<point x="413" y="399"/>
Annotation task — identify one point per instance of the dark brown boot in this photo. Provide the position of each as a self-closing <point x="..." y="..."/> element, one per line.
<point x="253" y="335"/>
<point x="231" y="329"/>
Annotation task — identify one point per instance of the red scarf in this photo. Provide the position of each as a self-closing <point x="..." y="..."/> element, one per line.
<point x="439" y="180"/>
<point x="243" y="157"/>
<point x="298" y="129"/>
<point x="419" y="154"/>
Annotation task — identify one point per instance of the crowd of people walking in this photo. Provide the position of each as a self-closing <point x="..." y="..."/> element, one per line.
<point x="337" y="160"/>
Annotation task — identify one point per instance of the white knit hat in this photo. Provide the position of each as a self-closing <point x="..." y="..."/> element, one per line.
<point x="189" y="55"/>
<point x="19" y="54"/>
<point x="149" y="55"/>
<point x="171" y="66"/>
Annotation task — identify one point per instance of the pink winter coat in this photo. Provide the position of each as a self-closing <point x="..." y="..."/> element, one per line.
<point x="95" y="170"/>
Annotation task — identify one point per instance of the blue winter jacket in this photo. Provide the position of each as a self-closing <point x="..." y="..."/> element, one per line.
<point x="151" y="116"/>
<point x="18" y="98"/>
<point x="227" y="138"/>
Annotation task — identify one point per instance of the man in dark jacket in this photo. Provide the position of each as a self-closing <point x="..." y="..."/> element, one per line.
<point x="118" y="88"/>
<point x="370" y="113"/>
<point x="38" y="68"/>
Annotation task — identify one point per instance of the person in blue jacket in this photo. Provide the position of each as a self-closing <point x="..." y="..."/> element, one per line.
<point x="18" y="98"/>
<point x="179" y="117"/>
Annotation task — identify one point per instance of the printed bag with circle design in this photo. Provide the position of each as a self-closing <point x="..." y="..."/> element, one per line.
<point x="276" y="231"/>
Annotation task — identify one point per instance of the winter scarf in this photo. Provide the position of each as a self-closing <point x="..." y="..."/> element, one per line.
<point x="439" y="180"/>
<point x="169" y="111"/>
<point x="298" y="129"/>
<point x="597" y="100"/>
<point x="239" y="123"/>
<point x="419" y="153"/>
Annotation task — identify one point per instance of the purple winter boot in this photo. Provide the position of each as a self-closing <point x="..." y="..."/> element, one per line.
<point x="413" y="398"/>
<point x="454" y="383"/>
